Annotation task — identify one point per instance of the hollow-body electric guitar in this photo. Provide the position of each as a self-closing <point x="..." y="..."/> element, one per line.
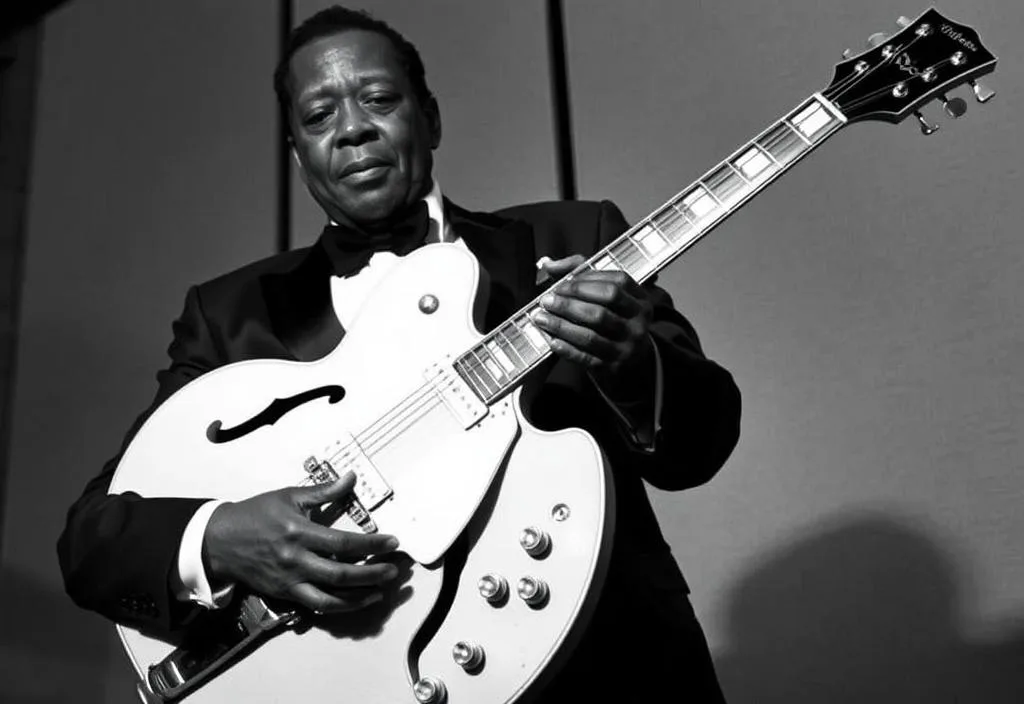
<point x="507" y="543"/>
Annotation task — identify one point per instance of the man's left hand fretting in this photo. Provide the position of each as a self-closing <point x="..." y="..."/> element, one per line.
<point x="599" y="319"/>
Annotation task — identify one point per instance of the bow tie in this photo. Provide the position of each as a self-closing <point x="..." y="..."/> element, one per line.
<point x="350" y="249"/>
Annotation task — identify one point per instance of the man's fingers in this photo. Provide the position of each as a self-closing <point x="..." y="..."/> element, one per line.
<point x="556" y="268"/>
<point x="322" y="602"/>
<point x="313" y="496"/>
<point x="346" y="545"/>
<point x="592" y="320"/>
<point x="338" y="575"/>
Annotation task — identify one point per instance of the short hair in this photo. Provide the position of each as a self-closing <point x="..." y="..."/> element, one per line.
<point x="333" y="20"/>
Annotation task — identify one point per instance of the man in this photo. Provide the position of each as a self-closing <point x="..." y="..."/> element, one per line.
<point x="363" y="125"/>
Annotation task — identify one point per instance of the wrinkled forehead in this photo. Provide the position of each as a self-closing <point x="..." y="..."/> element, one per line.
<point x="346" y="59"/>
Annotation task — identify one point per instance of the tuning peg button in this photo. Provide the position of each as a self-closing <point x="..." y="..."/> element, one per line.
<point x="877" y="39"/>
<point x="927" y="128"/>
<point x="954" y="107"/>
<point x="982" y="93"/>
<point x="903" y="22"/>
<point x="847" y="53"/>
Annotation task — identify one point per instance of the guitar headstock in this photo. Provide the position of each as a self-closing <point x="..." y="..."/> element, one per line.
<point x="928" y="57"/>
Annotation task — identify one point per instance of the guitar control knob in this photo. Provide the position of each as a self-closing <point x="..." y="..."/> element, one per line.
<point x="535" y="542"/>
<point x="493" y="587"/>
<point x="533" y="591"/>
<point x="429" y="690"/>
<point x="469" y="656"/>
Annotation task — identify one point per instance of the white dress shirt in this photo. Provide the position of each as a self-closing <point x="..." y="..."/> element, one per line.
<point x="348" y="295"/>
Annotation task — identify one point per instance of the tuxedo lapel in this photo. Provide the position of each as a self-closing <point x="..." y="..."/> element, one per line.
<point x="300" y="307"/>
<point x="505" y="251"/>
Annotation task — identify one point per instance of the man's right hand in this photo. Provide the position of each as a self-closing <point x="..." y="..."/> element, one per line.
<point x="269" y="544"/>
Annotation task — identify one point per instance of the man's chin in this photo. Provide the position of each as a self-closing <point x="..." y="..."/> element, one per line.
<point x="368" y="211"/>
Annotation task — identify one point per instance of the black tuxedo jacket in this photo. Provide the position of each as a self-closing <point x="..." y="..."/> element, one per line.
<point x="117" y="552"/>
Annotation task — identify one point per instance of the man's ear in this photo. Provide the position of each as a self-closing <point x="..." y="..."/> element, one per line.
<point x="433" y="113"/>
<point x="298" y="161"/>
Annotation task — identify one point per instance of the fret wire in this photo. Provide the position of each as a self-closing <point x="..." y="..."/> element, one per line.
<point x="482" y="371"/>
<point x="512" y="346"/>
<point x="500" y="356"/>
<point x="511" y="354"/>
<point x="526" y="335"/>
<point x="686" y="217"/>
<point x="768" y="154"/>
<point x="674" y="220"/>
<point x="738" y="172"/>
<point x="615" y="259"/>
<point x="799" y="134"/>
<point x="481" y="350"/>
<point x="708" y="190"/>
<point x="525" y="338"/>
<point x="636" y="251"/>
<point x="472" y="377"/>
<point x="639" y="246"/>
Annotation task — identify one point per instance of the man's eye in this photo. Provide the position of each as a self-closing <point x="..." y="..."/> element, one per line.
<point x="382" y="99"/>
<point x="316" y="117"/>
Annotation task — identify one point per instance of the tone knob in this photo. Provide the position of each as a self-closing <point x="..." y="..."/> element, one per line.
<point x="467" y="655"/>
<point x="533" y="591"/>
<point x="429" y="690"/>
<point x="535" y="542"/>
<point x="493" y="587"/>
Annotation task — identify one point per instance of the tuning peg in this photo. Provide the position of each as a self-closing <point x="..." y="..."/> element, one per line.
<point x="903" y="22"/>
<point x="847" y="53"/>
<point x="981" y="92"/>
<point x="927" y="128"/>
<point x="955" y="107"/>
<point x="877" y="39"/>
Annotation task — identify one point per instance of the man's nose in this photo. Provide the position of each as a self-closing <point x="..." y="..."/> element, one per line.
<point x="355" y="126"/>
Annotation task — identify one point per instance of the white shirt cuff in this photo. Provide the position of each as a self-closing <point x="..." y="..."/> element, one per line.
<point x="648" y="444"/>
<point x="193" y="584"/>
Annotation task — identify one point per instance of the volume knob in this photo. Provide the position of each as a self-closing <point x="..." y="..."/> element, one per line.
<point x="468" y="656"/>
<point x="534" y="541"/>
<point x="533" y="591"/>
<point x="429" y="690"/>
<point x="493" y="587"/>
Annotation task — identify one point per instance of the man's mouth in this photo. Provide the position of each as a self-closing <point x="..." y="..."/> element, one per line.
<point x="364" y="168"/>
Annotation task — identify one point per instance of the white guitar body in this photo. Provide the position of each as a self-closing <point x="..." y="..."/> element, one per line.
<point x="493" y="480"/>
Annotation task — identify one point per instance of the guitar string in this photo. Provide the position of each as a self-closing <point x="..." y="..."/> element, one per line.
<point x="874" y="94"/>
<point x="871" y="96"/>
<point x="417" y="404"/>
<point x="857" y="77"/>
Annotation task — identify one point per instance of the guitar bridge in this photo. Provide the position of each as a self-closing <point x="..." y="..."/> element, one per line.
<point x="370" y="491"/>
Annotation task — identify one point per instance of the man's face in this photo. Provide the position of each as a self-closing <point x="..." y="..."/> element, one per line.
<point x="362" y="138"/>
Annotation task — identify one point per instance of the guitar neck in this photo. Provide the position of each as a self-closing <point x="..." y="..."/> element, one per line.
<point x="499" y="362"/>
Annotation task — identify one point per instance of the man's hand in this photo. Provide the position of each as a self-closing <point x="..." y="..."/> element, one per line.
<point x="269" y="544"/>
<point x="600" y="319"/>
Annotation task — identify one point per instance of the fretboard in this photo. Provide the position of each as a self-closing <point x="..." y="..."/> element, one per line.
<point x="498" y="363"/>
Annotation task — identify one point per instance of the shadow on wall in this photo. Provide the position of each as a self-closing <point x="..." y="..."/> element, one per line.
<point x="51" y="651"/>
<point x="865" y="610"/>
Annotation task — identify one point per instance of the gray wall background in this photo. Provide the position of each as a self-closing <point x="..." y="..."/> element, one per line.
<point x="864" y="541"/>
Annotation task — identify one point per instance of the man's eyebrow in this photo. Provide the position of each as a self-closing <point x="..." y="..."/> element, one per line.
<point x="328" y="88"/>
